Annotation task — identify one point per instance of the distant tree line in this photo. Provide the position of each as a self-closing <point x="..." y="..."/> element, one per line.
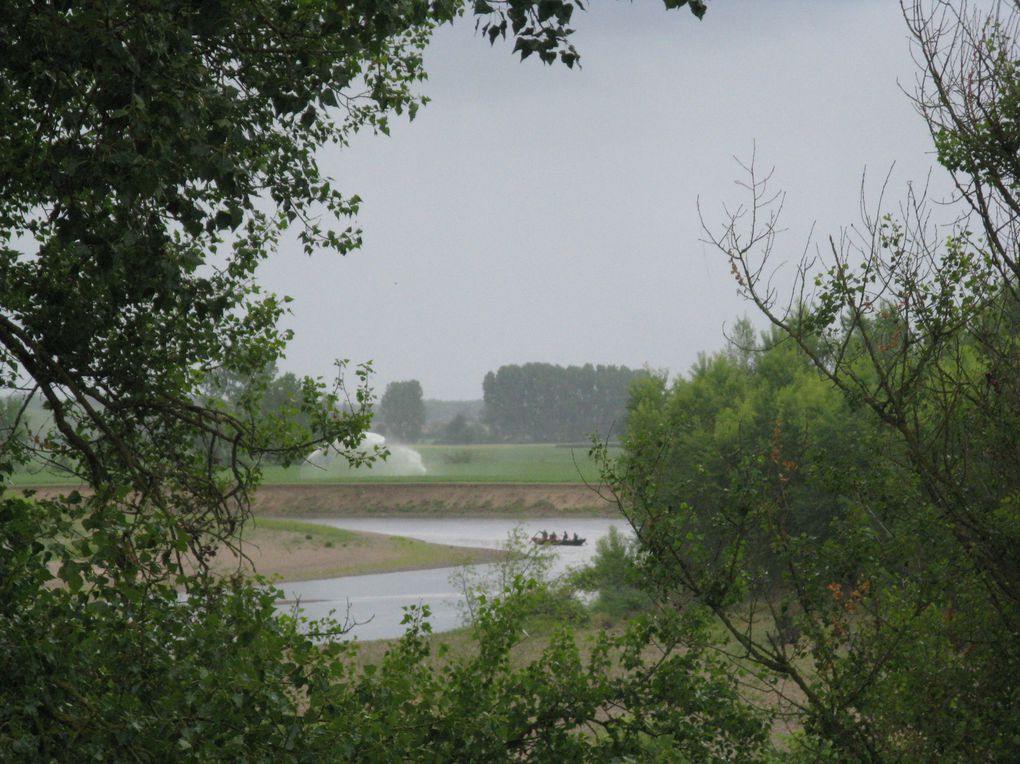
<point x="523" y="403"/>
<point x="543" y="402"/>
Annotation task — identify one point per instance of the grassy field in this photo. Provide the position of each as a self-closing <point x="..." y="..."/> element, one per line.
<point x="538" y="463"/>
<point x="39" y="476"/>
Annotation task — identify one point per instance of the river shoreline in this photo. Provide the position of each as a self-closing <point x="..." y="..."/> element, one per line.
<point x="296" y="558"/>
<point x="289" y="551"/>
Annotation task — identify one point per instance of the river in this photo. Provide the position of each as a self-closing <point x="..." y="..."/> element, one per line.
<point x="377" y="601"/>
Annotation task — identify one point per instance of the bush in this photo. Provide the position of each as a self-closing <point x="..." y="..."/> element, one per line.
<point x="544" y="598"/>
<point x="613" y="575"/>
<point x="463" y="431"/>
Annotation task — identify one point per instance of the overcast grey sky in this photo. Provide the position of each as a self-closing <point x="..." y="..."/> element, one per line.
<point x="532" y="213"/>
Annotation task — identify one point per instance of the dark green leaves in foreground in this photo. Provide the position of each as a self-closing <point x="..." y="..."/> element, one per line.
<point x="543" y="27"/>
<point x="138" y="672"/>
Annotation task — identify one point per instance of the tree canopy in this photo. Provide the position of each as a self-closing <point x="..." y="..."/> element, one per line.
<point x="827" y="513"/>
<point x="402" y="410"/>
<point x="543" y="402"/>
<point x="842" y="493"/>
<point x="152" y="154"/>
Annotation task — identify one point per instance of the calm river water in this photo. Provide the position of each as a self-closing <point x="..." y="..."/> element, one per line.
<point x="379" y="599"/>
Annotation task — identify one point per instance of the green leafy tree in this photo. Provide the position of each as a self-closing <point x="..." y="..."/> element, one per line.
<point x="13" y="425"/>
<point x="614" y="576"/>
<point x="548" y="598"/>
<point x="402" y="410"/>
<point x="846" y="505"/>
<point x="151" y="156"/>
<point x="460" y="430"/>
<point x="547" y="403"/>
<point x="283" y="404"/>
<point x="621" y="697"/>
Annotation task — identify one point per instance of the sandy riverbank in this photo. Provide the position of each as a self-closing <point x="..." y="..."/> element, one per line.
<point x="294" y="551"/>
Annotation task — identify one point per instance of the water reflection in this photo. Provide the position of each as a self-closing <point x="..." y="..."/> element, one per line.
<point x="379" y="599"/>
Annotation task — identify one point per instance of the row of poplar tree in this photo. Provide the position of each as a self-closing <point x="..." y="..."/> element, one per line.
<point x="523" y="403"/>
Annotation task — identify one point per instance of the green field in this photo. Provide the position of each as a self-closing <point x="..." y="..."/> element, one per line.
<point x="542" y="463"/>
<point x="39" y="476"/>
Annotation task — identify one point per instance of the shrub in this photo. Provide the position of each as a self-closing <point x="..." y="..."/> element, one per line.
<point x="613" y="575"/>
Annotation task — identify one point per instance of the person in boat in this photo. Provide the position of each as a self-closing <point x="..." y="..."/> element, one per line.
<point x="566" y="537"/>
<point x="552" y="537"/>
<point x="545" y="536"/>
<point x="575" y="536"/>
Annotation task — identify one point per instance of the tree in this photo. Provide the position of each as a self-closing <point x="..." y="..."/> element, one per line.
<point x="13" y="423"/>
<point x="892" y="603"/>
<point x="402" y="410"/>
<point x="548" y="403"/>
<point x="750" y="488"/>
<point x="462" y="431"/>
<point x="151" y="156"/>
<point x="613" y="577"/>
<point x="277" y="403"/>
<point x="140" y="143"/>
<point x="921" y="331"/>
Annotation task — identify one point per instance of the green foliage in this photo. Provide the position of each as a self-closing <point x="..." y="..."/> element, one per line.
<point x="152" y="155"/>
<point x="218" y="676"/>
<point x="543" y="27"/>
<point x="283" y="405"/>
<point x="455" y="422"/>
<point x="843" y="500"/>
<point x="615" y="577"/>
<point x="140" y="141"/>
<point x="758" y="491"/>
<point x="460" y="430"/>
<point x="402" y="411"/>
<point x="101" y="664"/>
<point x="15" y="432"/>
<point x="545" y="599"/>
<point x="566" y="705"/>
